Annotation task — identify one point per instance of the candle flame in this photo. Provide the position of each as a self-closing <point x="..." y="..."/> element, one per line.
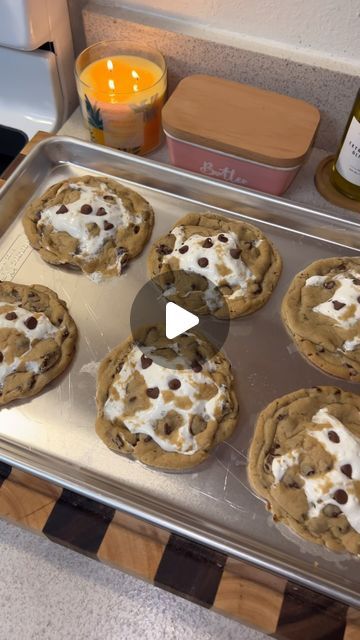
<point x="135" y="88"/>
<point x="135" y="75"/>
<point x="110" y="65"/>
<point x="111" y="84"/>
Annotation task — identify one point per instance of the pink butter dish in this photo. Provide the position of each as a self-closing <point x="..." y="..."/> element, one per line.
<point x="239" y="134"/>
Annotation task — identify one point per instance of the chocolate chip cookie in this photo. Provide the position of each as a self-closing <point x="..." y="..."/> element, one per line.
<point x="321" y="311"/>
<point x="304" y="461"/>
<point x="37" y="339"/>
<point x="166" y="418"/>
<point x="216" y="265"/>
<point x="95" y="224"/>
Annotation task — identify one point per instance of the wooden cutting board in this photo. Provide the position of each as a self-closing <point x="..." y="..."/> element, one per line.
<point x="196" y="572"/>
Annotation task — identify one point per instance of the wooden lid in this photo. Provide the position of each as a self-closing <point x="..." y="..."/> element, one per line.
<point x="242" y="120"/>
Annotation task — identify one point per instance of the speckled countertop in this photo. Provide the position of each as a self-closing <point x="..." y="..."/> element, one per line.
<point x="49" y="592"/>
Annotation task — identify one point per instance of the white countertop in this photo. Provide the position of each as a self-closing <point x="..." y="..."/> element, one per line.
<point x="302" y="190"/>
<point x="49" y="592"/>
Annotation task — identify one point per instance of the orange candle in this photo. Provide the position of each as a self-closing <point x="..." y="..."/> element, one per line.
<point x="121" y="95"/>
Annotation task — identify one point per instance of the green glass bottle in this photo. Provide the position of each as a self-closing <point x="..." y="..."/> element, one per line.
<point x="345" y="173"/>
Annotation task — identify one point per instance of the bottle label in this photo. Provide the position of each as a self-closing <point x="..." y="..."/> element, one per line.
<point x="348" y="162"/>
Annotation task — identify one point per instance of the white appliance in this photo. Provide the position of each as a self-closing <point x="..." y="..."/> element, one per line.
<point x="36" y="66"/>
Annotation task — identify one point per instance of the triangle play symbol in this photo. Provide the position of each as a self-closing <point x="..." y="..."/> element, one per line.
<point x="178" y="320"/>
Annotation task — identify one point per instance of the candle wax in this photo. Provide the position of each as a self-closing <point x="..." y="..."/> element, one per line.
<point x="121" y="99"/>
<point x="116" y="78"/>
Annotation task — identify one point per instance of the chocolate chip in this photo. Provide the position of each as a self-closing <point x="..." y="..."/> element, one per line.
<point x="164" y="250"/>
<point x="258" y="289"/>
<point x="31" y="323"/>
<point x="146" y="362"/>
<point x="338" y="305"/>
<point x="1" y="356"/>
<point x="174" y="384"/>
<point x="307" y="470"/>
<point x="11" y="315"/>
<point x="108" y="225"/>
<point x="341" y="267"/>
<point x="268" y="462"/>
<point x="208" y="243"/>
<point x="331" y="511"/>
<point x="293" y="485"/>
<point x="356" y="281"/>
<point x="329" y="285"/>
<point x="147" y="439"/>
<point x="109" y="198"/>
<point x="153" y="392"/>
<point x="358" y="299"/>
<point x="333" y="436"/>
<point x="136" y="229"/>
<point x="235" y="253"/>
<point x="101" y="211"/>
<point x="203" y="262"/>
<point x="346" y="470"/>
<point x="340" y="496"/>
<point x="222" y="238"/>
<point x="184" y="249"/>
<point x="37" y="216"/>
<point x="196" y="366"/>
<point x="45" y="363"/>
<point x="118" y="440"/>
<point x="167" y="429"/>
<point x="86" y="209"/>
<point x="62" y="209"/>
<point x="124" y="261"/>
<point x="65" y="333"/>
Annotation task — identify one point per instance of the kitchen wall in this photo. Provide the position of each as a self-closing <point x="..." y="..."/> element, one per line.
<point x="327" y="78"/>
<point x="323" y="31"/>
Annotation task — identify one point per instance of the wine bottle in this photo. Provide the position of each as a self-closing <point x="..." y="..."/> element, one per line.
<point x="345" y="173"/>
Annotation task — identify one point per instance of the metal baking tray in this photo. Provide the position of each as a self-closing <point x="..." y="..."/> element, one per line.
<point x="53" y="436"/>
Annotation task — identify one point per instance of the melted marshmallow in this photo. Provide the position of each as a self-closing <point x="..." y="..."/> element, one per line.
<point x="74" y="223"/>
<point x="218" y="255"/>
<point x="282" y="463"/>
<point x="315" y="281"/>
<point x="347" y="292"/>
<point x="44" y="329"/>
<point x="350" y="345"/>
<point x="320" y="489"/>
<point x="157" y="376"/>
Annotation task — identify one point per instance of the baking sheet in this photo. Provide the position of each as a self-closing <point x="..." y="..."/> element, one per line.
<point x="53" y="435"/>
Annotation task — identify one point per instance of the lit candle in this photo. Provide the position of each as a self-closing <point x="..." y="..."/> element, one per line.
<point x="121" y="95"/>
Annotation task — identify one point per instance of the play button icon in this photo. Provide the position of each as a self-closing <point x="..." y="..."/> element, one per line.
<point x="151" y="307"/>
<point x="178" y="320"/>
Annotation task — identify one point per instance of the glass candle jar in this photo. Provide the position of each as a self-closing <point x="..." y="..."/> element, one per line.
<point x="122" y="89"/>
